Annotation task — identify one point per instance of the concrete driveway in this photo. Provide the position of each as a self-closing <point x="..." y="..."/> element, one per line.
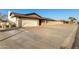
<point x="35" y="37"/>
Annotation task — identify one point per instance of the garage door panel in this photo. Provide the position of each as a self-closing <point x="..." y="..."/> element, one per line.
<point x="26" y="23"/>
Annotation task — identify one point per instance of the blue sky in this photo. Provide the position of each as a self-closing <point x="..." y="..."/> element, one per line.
<point x="49" y="13"/>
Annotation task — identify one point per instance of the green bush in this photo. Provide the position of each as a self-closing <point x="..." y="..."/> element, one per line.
<point x="8" y="25"/>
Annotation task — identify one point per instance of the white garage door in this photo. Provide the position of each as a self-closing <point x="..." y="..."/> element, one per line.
<point x="29" y="23"/>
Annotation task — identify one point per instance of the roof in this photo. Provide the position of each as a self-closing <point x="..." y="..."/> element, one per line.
<point x="49" y="19"/>
<point x="30" y="15"/>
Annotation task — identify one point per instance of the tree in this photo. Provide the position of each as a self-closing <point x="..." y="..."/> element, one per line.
<point x="72" y="19"/>
<point x="3" y="17"/>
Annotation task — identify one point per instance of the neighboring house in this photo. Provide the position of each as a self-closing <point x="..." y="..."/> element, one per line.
<point x="31" y="19"/>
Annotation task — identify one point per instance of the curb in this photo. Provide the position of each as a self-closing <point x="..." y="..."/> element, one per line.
<point x="67" y="44"/>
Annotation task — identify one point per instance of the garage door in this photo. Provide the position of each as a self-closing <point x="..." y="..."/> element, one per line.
<point x="29" y="23"/>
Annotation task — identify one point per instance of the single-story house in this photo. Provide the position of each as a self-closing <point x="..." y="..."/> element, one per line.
<point x="31" y="19"/>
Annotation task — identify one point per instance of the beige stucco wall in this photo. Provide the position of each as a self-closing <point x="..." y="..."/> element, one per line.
<point x="12" y="19"/>
<point x="18" y="22"/>
<point x="51" y="22"/>
<point x="29" y="22"/>
<point x="15" y="20"/>
<point x="54" y="22"/>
